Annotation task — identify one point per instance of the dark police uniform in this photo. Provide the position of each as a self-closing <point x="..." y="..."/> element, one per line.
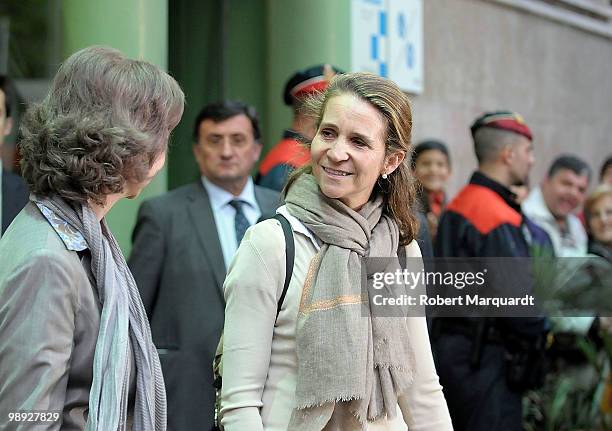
<point x="290" y="153"/>
<point x="482" y="221"/>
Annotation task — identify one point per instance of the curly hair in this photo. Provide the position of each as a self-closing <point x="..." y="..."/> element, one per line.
<point x="104" y="122"/>
<point x="399" y="189"/>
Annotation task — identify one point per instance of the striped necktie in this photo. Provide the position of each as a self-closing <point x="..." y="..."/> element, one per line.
<point x="241" y="224"/>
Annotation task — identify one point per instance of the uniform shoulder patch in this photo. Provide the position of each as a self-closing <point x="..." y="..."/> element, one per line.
<point x="484" y="208"/>
<point x="287" y="151"/>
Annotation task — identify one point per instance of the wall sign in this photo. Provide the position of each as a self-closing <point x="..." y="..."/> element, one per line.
<point x="387" y="39"/>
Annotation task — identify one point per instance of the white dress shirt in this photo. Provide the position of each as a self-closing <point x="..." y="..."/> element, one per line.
<point x="225" y="214"/>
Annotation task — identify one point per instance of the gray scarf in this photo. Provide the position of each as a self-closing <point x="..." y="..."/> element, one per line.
<point x="352" y="366"/>
<point x="123" y="328"/>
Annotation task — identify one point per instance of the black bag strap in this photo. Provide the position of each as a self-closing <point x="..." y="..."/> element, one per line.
<point x="401" y="256"/>
<point x="289" y="257"/>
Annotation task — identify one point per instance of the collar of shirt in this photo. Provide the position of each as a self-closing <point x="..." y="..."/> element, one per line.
<point x="298" y="226"/>
<point x="568" y="242"/>
<point x="292" y="134"/>
<point x="220" y="197"/>
<point x="72" y="238"/>
<point x="224" y="214"/>
<point x="481" y="179"/>
<point x="536" y="206"/>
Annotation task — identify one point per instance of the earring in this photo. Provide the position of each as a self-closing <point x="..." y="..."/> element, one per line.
<point x="384" y="176"/>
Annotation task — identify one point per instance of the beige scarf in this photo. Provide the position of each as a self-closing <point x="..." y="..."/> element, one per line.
<point x="352" y="366"/>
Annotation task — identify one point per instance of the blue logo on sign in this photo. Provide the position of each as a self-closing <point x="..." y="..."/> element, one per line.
<point x="383" y="70"/>
<point x="374" y="47"/>
<point x="410" y="55"/>
<point x="382" y="21"/>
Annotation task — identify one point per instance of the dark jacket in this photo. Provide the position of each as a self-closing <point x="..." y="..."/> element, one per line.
<point x="483" y="220"/>
<point x="601" y="250"/>
<point x="284" y="157"/>
<point x="14" y="197"/>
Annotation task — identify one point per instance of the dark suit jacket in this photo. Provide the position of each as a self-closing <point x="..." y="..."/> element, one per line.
<point x="178" y="266"/>
<point x="14" y="197"/>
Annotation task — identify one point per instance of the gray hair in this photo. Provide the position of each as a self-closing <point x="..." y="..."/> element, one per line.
<point x="488" y="143"/>
<point x="104" y="122"/>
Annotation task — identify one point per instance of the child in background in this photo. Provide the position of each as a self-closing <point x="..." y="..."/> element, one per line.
<point x="431" y="166"/>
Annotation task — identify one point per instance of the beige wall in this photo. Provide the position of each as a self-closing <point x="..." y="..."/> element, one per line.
<point x="480" y="55"/>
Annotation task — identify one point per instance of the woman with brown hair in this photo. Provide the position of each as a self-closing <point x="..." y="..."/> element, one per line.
<point x="75" y="345"/>
<point x="326" y="361"/>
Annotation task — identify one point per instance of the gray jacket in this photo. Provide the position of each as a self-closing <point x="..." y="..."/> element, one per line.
<point x="49" y="320"/>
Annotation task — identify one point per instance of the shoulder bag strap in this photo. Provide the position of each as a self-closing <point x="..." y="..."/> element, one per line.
<point x="289" y="257"/>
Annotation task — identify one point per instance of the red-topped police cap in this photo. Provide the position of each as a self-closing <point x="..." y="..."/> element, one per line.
<point x="309" y="81"/>
<point x="503" y="120"/>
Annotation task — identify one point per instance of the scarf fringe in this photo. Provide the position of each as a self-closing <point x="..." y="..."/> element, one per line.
<point x="339" y="399"/>
<point x="321" y="403"/>
<point x="354" y="411"/>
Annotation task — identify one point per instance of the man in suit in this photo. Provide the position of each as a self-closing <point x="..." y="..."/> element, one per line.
<point x="13" y="190"/>
<point x="184" y="242"/>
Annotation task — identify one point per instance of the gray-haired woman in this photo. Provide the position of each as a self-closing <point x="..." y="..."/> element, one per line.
<point x="75" y="343"/>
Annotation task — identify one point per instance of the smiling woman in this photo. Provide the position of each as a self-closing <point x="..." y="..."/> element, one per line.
<point x="347" y="150"/>
<point x="431" y="167"/>
<point x="314" y="365"/>
<point x="598" y="212"/>
<point x="375" y="139"/>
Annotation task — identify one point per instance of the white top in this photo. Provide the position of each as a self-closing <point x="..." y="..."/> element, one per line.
<point x="259" y="357"/>
<point x="298" y="227"/>
<point x="573" y="242"/>
<point x="224" y="214"/>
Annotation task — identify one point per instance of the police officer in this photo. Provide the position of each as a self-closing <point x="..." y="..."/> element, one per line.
<point x="290" y="153"/>
<point x="484" y="220"/>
